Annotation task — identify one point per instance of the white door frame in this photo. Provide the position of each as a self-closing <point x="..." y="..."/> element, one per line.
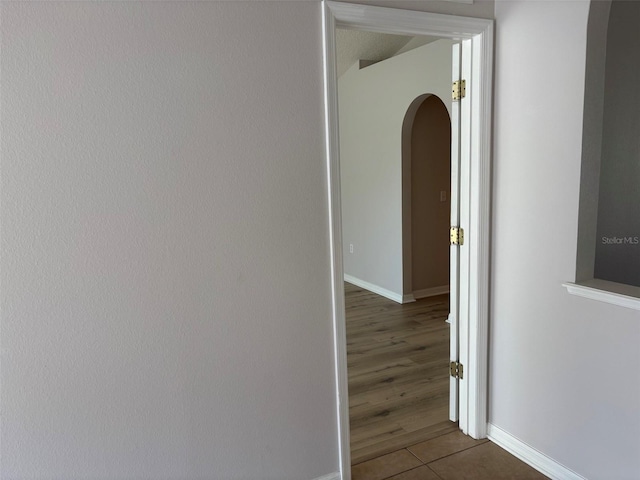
<point x="473" y="319"/>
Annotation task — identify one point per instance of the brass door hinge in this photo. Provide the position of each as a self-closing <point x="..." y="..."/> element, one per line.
<point x="459" y="89"/>
<point x="456" y="235"/>
<point x="456" y="369"/>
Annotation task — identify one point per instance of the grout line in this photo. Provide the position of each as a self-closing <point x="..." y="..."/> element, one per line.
<point x="455" y="453"/>
<point x="428" y="440"/>
<point x="405" y="471"/>
<point x="407" y="449"/>
<point x="434" y="472"/>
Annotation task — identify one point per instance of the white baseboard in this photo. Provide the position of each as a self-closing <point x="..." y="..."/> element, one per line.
<point x="408" y="298"/>
<point x="331" y="476"/>
<point x="431" y="292"/>
<point x="530" y="455"/>
<point x="396" y="297"/>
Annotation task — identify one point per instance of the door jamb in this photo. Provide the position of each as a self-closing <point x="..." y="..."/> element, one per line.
<point x="474" y="348"/>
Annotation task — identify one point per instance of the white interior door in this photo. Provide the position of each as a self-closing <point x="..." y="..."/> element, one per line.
<point x="454" y="262"/>
<point x="459" y="254"/>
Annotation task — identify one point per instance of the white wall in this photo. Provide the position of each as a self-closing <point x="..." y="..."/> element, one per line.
<point x="164" y="256"/>
<point x="373" y="103"/>
<point x="563" y="369"/>
<point x="164" y="265"/>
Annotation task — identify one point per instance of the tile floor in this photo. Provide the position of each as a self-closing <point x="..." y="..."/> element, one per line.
<point x="453" y="456"/>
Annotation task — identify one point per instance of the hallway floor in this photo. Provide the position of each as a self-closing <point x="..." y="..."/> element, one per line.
<point x="452" y="456"/>
<point x="397" y="358"/>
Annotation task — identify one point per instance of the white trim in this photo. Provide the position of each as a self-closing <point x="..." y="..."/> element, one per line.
<point x="529" y="455"/>
<point x="431" y="292"/>
<point x="595" y="293"/>
<point x="406" y="22"/>
<point x="396" y="297"/>
<point x="331" y="476"/>
<point x="454" y="251"/>
<point x="462" y="316"/>
<point x="335" y="240"/>
<point x="409" y="22"/>
<point x="479" y="230"/>
<point x="408" y="298"/>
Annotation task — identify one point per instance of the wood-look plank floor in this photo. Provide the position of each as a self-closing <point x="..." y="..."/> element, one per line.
<point x="397" y="359"/>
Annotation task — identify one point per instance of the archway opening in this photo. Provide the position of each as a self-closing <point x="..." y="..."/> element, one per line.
<point x="426" y="159"/>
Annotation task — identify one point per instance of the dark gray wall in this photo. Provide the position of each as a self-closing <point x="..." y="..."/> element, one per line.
<point x="592" y="138"/>
<point x="618" y="231"/>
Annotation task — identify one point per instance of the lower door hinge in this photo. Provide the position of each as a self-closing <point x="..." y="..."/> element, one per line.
<point x="456" y="236"/>
<point x="456" y="369"/>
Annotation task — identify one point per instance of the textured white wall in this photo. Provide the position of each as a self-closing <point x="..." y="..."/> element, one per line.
<point x="372" y="106"/>
<point x="164" y="254"/>
<point x="563" y="369"/>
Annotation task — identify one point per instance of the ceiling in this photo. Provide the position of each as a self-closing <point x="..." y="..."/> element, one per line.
<point x="354" y="45"/>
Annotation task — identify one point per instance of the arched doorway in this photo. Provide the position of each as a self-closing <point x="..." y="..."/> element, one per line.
<point x="426" y="159"/>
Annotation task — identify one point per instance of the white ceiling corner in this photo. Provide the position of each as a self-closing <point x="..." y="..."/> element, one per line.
<point x="355" y="45"/>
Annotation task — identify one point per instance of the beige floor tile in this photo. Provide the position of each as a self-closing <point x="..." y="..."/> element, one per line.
<point x="443" y="446"/>
<point x="385" y="466"/>
<point x="420" y="473"/>
<point x="484" y="462"/>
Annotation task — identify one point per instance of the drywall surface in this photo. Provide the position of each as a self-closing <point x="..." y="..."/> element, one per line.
<point x="430" y="158"/>
<point x="165" y="304"/>
<point x="556" y="382"/>
<point x="372" y="106"/>
<point x="618" y="234"/>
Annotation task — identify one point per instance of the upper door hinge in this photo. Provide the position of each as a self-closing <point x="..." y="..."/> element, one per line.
<point x="459" y="89"/>
<point x="457" y="236"/>
<point x="457" y="370"/>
